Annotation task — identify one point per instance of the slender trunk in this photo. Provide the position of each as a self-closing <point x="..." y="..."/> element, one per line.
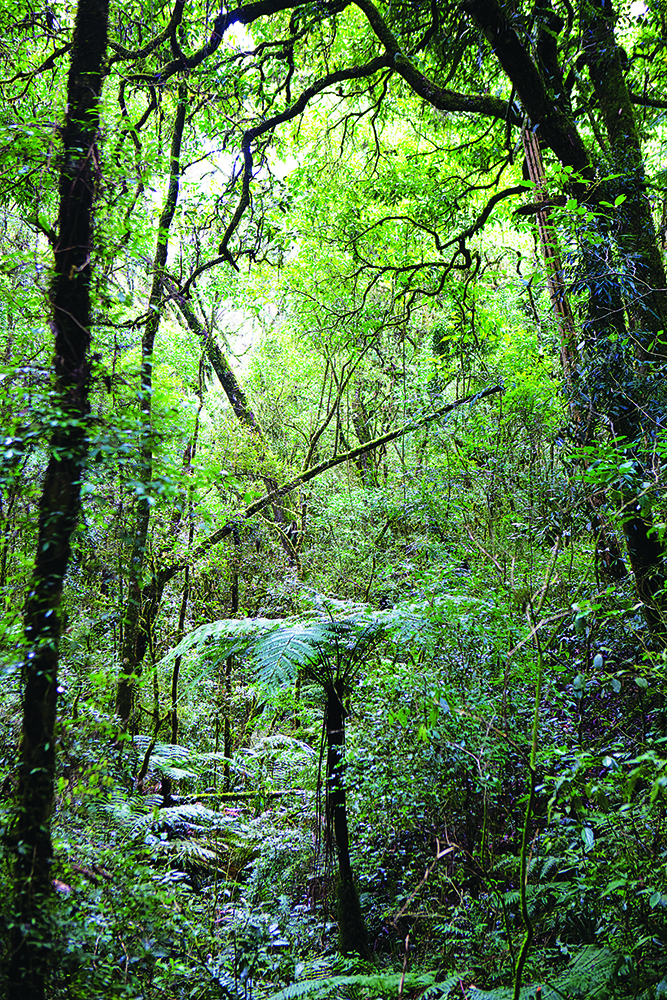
<point x="188" y="459"/>
<point x="283" y="517"/>
<point x="360" y="422"/>
<point x="229" y="663"/>
<point x="29" y="836"/>
<point x="352" y="935"/>
<point x="135" y="624"/>
<point x="173" y="727"/>
<point x="607" y="549"/>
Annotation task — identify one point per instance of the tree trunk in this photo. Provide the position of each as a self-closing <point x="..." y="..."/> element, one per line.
<point x="229" y="665"/>
<point x="360" y="422"/>
<point x="352" y="936"/>
<point x="607" y="549"/>
<point x="645" y="303"/>
<point x="29" y="836"/>
<point x="635" y="234"/>
<point x="136" y="622"/>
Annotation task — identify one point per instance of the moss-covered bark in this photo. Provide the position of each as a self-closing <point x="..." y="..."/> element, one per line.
<point x="646" y="290"/>
<point x="29" y="835"/>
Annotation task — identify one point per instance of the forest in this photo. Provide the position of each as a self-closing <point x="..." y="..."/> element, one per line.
<point x="333" y="541"/>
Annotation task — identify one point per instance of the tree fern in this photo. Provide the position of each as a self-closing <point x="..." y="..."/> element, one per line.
<point x="331" y="650"/>
<point x="280" y="648"/>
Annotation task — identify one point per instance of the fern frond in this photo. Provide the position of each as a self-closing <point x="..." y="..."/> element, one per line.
<point x="586" y="976"/>
<point x="188" y="850"/>
<point x="228" y="635"/>
<point x="318" y="641"/>
<point x="286" y="649"/>
<point x="376" y="983"/>
<point x="440" y="989"/>
<point x="550" y="865"/>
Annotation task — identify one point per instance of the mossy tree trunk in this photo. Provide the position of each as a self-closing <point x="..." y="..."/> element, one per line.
<point x="538" y="84"/>
<point x="29" y="835"/>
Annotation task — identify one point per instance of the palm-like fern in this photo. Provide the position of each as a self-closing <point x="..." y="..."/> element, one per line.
<point x="330" y="648"/>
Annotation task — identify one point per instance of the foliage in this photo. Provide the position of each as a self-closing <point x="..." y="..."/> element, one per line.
<point x="381" y="209"/>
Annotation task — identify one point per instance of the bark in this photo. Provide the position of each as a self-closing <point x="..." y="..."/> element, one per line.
<point x="647" y="300"/>
<point x="352" y="935"/>
<point x="607" y="549"/>
<point x="550" y="118"/>
<point x="228" y="380"/>
<point x="29" y="835"/>
<point x="135" y="632"/>
<point x="229" y="665"/>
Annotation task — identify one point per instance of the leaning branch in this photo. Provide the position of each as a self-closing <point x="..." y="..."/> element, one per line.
<point x="317" y="470"/>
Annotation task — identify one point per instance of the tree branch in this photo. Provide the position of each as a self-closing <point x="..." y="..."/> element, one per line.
<point x="317" y="470"/>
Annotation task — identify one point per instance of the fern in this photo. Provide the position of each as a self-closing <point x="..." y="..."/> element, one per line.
<point x="378" y="984"/>
<point x="282" y="652"/>
<point x="323" y="644"/>
<point x="285" y="760"/>
<point x="586" y="976"/>
<point x="196" y="815"/>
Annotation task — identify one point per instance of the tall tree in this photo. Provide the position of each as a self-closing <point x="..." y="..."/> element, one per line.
<point x="29" y="835"/>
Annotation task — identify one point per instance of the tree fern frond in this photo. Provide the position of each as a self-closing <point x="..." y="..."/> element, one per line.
<point x="192" y="813"/>
<point x="280" y="654"/>
<point x="189" y="850"/>
<point x="440" y="989"/>
<point x="331" y="648"/>
<point x="229" y="635"/>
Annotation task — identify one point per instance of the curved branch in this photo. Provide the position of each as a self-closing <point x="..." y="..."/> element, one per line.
<point x="338" y="76"/>
<point x="169" y="32"/>
<point x="242" y="15"/>
<point x="438" y="97"/>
